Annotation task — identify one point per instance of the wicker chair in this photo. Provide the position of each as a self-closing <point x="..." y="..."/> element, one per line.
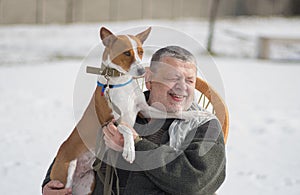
<point x="209" y="98"/>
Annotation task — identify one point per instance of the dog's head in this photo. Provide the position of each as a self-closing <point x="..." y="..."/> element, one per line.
<point x="124" y="52"/>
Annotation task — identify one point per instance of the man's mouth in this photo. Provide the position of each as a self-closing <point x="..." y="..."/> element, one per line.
<point x="177" y="97"/>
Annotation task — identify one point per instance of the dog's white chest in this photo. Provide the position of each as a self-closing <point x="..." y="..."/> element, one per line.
<point x="123" y="97"/>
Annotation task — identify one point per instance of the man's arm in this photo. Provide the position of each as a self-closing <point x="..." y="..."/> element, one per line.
<point x="192" y="172"/>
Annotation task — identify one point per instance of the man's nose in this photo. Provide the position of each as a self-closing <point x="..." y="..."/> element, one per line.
<point x="181" y="85"/>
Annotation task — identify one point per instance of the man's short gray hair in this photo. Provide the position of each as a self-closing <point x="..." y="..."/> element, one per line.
<point x="174" y="52"/>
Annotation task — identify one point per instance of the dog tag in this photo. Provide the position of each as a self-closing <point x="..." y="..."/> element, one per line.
<point x="93" y="70"/>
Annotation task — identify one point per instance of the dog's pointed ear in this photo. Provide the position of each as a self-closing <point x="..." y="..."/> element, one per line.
<point x="106" y="36"/>
<point x="143" y="35"/>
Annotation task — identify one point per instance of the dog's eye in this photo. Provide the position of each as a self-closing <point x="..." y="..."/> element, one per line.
<point x="127" y="53"/>
<point x="141" y="52"/>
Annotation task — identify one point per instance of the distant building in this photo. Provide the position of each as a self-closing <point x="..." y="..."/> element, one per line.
<point x="68" y="11"/>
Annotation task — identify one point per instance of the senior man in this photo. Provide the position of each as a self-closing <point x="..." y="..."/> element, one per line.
<point x="181" y="157"/>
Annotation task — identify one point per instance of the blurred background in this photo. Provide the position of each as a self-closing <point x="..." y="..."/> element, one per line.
<point x="255" y="45"/>
<point x="69" y="11"/>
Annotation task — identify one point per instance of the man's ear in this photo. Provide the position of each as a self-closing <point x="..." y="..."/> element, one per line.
<point x="106" y="36"/>
<point x="143" y="35"/>
<point x="148" y="78"/>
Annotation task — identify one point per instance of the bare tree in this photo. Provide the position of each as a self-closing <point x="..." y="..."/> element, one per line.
<point x="295" y="7"/>
<point x="40" y="12"/>
<point x="212" y="20"/>
<point x="1" y="12"/>
<point x="70" y="11"/>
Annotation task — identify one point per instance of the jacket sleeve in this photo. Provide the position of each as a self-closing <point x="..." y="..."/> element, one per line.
<point x="198" y="169"/>
<point x="47" y="177"/>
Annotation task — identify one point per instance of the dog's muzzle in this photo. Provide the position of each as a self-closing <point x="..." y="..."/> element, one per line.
<point x="137" y="70"/>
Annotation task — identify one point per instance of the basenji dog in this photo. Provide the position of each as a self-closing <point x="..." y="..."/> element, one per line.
<point x="116" y="96"/>
<point x="121" y="60"/>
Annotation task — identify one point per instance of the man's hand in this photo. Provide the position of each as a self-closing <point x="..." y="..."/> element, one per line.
<point x="113" y="138"/>
<point x="55" y="187"/>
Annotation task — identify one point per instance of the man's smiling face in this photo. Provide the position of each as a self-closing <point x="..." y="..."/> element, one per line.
<point x="173" y="84"/>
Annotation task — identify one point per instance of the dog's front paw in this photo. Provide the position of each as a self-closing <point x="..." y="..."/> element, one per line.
<point x="128" y="149"/>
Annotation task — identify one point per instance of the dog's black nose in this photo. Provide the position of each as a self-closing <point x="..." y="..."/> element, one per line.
<point x="141" y="71"/>
<point x="116" y="123"/>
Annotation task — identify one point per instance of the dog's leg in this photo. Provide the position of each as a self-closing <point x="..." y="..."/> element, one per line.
<point x="128" y="149"/>
<point x="81" y="139"/>
<point x="127" y="112"/>
<point x="69" y="151"/>
<point x="71" y="171"/>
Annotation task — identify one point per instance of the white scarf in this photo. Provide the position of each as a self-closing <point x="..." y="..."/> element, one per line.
<point x="179" y="129"/>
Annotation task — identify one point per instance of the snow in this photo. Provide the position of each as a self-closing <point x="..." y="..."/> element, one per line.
<point x="39" y="67"/>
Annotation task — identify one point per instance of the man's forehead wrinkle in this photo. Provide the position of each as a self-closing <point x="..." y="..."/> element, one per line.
<point x="178" y="68"/>
<point x="174" y="73"/>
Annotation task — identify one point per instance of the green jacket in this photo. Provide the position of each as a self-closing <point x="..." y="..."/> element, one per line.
<point x="191" y="172"/>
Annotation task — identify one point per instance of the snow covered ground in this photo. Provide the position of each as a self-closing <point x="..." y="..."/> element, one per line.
<point x="38" y="70"/>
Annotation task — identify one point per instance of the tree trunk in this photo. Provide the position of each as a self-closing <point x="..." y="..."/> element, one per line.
<point x="70" y="11"/>
<point x="212" y="20"/>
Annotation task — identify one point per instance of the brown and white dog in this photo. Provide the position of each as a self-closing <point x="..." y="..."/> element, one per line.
<point x="73" y="162"/>
<point x="122" y="61"/>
